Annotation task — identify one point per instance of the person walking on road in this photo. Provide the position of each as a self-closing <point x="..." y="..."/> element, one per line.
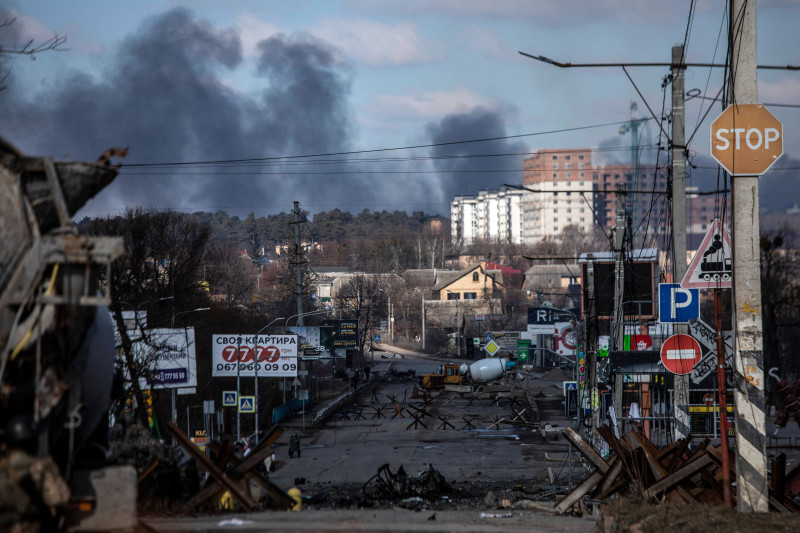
<point x="294" y="445"/>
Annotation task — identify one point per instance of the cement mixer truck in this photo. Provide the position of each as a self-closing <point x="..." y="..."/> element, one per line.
<point x="464" y="378"/>
<point x="56" y="347"/>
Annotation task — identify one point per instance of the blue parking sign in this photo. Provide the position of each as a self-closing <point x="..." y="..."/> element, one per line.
<point x="676" y="304"/>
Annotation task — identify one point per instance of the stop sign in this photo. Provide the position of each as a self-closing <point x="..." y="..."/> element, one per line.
<point x="746" y="139"/>
<point x="680" y="353"/>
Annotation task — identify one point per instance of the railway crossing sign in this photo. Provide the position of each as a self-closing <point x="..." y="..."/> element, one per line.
<point x="712" y="265"/>
<point x="229" y="398"/>
<point x="679" y="354"/>
<point x="746" y="139"/>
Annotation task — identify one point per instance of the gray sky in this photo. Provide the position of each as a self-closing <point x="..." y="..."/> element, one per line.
<point x="206" y="81"/>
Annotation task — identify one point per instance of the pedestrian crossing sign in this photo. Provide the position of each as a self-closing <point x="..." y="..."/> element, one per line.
<point x="229" y="398"/>
<point x="247" y="404"/>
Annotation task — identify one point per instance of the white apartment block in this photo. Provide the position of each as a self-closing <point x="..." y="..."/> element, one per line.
<point x="494" y="215"/>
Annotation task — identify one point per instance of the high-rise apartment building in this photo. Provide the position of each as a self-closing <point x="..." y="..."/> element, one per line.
<point x="491" y="215"/>
<point x="564" y="183"/>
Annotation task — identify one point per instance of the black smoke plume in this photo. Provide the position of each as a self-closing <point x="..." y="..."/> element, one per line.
<point x="478" y="123"/>
<point x="164" y="95"/>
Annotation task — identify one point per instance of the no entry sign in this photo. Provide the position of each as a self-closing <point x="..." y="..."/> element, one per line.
<point x="680" y="353"/>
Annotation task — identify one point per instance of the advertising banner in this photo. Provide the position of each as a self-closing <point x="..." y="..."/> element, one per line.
<point x="169" y="357"/>
<point x="275" y="355"/>
<point x="346" y="335"/>
<point x="315" y="341"/>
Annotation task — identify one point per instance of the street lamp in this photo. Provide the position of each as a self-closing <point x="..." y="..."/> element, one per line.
<point x="423" y="317"/>
<point x="310" y="313"/>
<point x="458" y="326"/>
<point x="256" y="376"/>
<point x="172" y="323"/>
<point x="172" y="326"/>
<point x="389" y="317"/>
<point x="286" y="327"/>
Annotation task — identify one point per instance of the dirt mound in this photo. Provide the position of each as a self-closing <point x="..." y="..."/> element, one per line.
<point x="628" y="514"/>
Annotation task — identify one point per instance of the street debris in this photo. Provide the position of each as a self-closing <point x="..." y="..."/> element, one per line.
<point x="234" y="522"/>
<point x="496" y="515"/>
<point x="385" y="484"/>
<point x="675" y="474"/>
<point x="399" y="376"/>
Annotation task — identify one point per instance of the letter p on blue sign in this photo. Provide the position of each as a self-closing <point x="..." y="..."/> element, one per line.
<point x="677" y="305"/>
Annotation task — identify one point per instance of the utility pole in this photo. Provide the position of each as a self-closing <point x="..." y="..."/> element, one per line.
<point x="423" y="322"/>
<point x="751" y="462"/>
<point x="298" y="260"/>
<point x="680" y="398"/>
<point x="299" y="288"/>
<point x="591" y="346"/>
<point x="619" y="285"/>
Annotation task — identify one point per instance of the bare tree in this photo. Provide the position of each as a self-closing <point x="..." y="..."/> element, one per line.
<point x="231" y="274"/>
<point x="163" y="252"/>
<point x="780" y="297"/>
<point x="358" y="299"/>
<point x="11" y="47"/>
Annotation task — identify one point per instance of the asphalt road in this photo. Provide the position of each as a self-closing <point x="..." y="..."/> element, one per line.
<point x="342" y="454"/>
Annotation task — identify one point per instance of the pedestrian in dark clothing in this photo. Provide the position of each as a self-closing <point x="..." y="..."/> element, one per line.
<point x="366" y="372"/>
<point x="355" y="379"/>
<point x="294" y="445"/>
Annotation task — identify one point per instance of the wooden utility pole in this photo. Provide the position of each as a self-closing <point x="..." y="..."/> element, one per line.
<point x="619" y="285"/>
<point x="751" y="462"/>
<point x="680" y="396"/>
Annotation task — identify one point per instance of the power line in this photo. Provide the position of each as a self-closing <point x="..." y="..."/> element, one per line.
<point x="377" y="150"/>
<point x="389" y="159"/>
<point x="560" y="64"/>
<point x="765" y="103"/>
<point x="688" y="30"/>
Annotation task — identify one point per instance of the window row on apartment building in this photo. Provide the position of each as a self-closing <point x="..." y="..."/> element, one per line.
<point x="491" y="215"/>
<point x="570" y="190"/>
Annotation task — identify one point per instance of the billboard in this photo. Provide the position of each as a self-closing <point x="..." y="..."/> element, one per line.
<point x="315" y="342"/>
<point x="169" y="356"/>
<point x="244" y="355"/>
<point x="346" y="334"/>
<point x="639" y="293"/>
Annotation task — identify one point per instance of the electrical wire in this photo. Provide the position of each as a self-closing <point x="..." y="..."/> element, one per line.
<point x="379" y="150"/>
<point x="359" y="160"/>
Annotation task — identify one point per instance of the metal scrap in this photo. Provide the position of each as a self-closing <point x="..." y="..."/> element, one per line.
<point x="385" y="484"/>
<point x="672" y="474"/>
